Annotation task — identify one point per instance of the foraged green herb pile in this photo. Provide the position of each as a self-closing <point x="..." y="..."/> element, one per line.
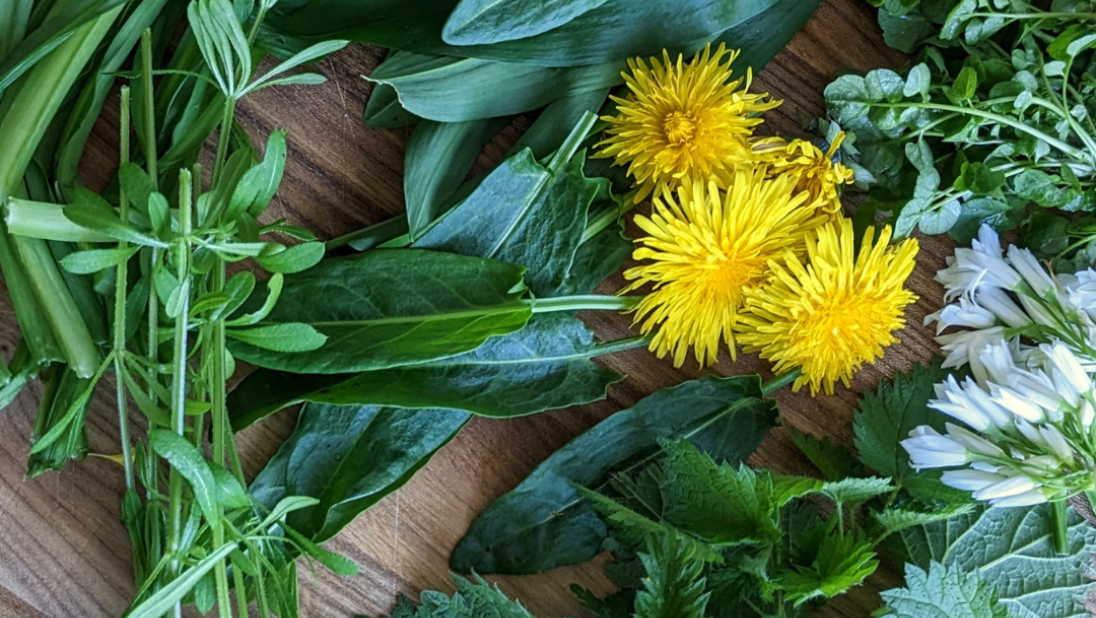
<point x="993" y="123"/>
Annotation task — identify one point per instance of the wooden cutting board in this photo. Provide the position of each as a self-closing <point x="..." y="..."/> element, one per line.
<point x="63" y="551"/>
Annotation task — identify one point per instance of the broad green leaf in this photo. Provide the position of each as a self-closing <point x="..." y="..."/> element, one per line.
<point x="454" y="89"/>
<point x="887" y="416"/>
<point x="348" y="458"/>
<point x="383" y="109"/>
<point x="522" y="213"/>
<point x="544" y="366"/>
<point x="439" y="157"/>
<point x="615" y="30"/>
<point x="284" y="337"/>
<point x="943" y="592"/>
<point x="556" y="123"/>
<point x="383" y="309"/>
<point x="1013" y="550"/>
<point x="544" y="523"/>
<point x="191" y="464"/>
<point x="482" y="22"/>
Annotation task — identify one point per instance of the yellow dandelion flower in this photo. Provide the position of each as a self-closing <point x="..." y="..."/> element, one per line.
<point x="683" y="120"/>
<point x="816" y="171"/>
<point x="835" y="313"/>
<point x="704" y="250"/>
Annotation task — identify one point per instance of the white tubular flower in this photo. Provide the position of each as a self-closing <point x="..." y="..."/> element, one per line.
<point x="1067" y="372"/>
<point x="1081" y="288"/>
<point x="1057" y="442"/>
<point x="997" y="302"/>
<point x="961" y="346"/>
<point x="1017" y="404"/>
<point x="970" y="404"/>
<point x="971" y="480"/>
<point x="972" y="269"/>
<point x="1011" y="486"/>
<point x="973" y="442"/>
<point x="1031" y="270"/>
<point x="966" y="314"/>
<point x="1027" y="498"/>
<point x="929" y="449"/>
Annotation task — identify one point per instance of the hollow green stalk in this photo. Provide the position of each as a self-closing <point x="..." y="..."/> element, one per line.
<point x="121" y="283"/>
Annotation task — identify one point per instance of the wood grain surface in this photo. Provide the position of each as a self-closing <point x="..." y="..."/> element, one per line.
<point x="63" y="550"/>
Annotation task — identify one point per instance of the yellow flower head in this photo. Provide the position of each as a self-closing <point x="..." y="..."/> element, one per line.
<point x="704" y="250"/>
<point x="683" y="121"/>
<point x="816" y="171"/>
<point x="830" y="316"/>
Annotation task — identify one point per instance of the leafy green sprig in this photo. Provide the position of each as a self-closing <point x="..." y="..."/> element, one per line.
<point x="996" y="115"/>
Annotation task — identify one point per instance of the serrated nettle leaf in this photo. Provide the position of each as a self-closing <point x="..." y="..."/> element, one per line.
<point x="544" y="366"/>
<point x="348" y="458"/>
<point x="918" y="81"/>
<point x="286" y="337"/>
<point x="388" y="308"/>
<point x="544" y="523"/>
<point x="893" y="520"/>
<point x="855" y="491"/>
<point x="841" y="563"/>
<point x="1013" y="550"/>
<point x="289" y="260"/>
<point x="95" y="260"/>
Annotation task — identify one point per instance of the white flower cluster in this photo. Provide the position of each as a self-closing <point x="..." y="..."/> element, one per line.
<point x="1027" y="411"/>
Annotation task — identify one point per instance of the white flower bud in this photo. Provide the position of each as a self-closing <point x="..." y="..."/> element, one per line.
<point x="1003" y="489"/>
<point x="970" y="480"/>
<point x="1031" y="270"/>
<point x="1057" y="443"/>
<point x="927" y="448"/>
<point x="974" y="442"/>
<point x="966" y="314"/>
<point x="999" y="303"/>
<point x="1027" y="498"/>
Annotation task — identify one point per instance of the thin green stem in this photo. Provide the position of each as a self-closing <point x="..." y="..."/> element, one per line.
<point x="1060" y="517"/>
<point x="150" y="107"/>
<point x="603" y="219"/>
<point x="179" y="371"/>
<point x="585" y="303"/>
<point x="1005" y="120"/>
<point x="121" y="283"/>
<point x="1038" y="15"/>
<point x="222" y="141"/>
<point x="780" y="381"/>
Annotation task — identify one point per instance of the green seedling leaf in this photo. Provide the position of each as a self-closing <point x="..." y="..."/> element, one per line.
<point x="295" y="259"/>
<point x="257" y="186"/>
<point x="96" y="214"/>
<point x="95" y="260"/>
<point x="192" y="465"/>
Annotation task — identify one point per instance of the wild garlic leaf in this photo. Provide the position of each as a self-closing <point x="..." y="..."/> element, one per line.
<point x="942" y="592"/>
<point x="544" y="366"/>
<point x="1013" y="549"/>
